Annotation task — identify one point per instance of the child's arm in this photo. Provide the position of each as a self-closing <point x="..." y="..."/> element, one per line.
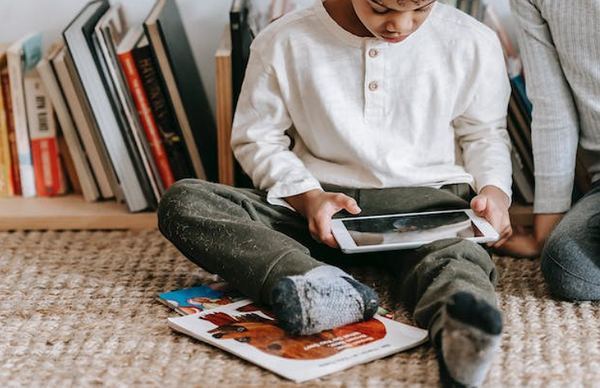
<point x="483" y="138"/>
<point x="492" y="203"/>
<point x="259" y="138"/>
<point x="318" y="206"/>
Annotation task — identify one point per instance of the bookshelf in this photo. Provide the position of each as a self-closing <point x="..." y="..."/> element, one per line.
<point x="72" y="212"/>
<point x="69" y="212"/>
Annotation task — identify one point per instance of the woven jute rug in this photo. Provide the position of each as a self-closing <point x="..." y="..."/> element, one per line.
<point x="79" y="309"/>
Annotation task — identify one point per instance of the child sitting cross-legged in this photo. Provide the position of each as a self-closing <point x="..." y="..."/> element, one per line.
<point x="362" y="107"/>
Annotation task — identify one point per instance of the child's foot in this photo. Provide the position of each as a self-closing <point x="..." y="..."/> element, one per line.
<point x="323" y="298"/>
<point x="469" y="338"/>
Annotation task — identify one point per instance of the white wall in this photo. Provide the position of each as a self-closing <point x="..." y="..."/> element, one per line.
<point x="204" y="21"/>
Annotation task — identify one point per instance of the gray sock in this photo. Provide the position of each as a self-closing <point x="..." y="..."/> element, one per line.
<point x="324" y="298"/>
<point x="470" y="337"/>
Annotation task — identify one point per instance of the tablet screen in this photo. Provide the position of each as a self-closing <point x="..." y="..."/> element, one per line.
<point x="410" y="228"/>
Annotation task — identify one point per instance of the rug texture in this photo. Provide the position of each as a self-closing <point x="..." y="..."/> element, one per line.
<point x="79" y="309"/>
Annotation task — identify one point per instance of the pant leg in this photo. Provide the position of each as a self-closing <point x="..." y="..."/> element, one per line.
<point x="236" y="234"/>
<point x="570" y="259"/>
<point x="429" y="275"/>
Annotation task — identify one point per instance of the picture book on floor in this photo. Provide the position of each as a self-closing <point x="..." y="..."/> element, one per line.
<point x="215" y="314"/>
<point x="195" y="299"/>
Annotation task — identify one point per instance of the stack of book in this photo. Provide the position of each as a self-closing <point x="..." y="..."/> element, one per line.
<point x="111" y="110"/>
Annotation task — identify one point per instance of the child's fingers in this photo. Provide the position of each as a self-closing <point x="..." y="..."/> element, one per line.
<point x="479" y="204"/>
<point x="347" y="203"/>
<point x="321" y="230"/>
<point x="352" y="207"/>
<point x="504" y="236"/>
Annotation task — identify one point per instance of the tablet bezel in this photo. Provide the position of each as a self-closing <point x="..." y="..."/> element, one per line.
<point x="347" y="244"/>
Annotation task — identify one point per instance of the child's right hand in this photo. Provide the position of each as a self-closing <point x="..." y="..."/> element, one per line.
<point x="318" y="207"/>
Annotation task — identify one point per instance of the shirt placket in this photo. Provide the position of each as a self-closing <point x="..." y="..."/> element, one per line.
<point x="374" y="86"/>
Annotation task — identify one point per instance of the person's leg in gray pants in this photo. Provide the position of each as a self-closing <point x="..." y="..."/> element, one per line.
<point x="571" y="256"/>
<point x="237" y="235"/>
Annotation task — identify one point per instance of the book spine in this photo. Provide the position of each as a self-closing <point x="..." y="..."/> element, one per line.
<point x="42" y="134"/>
<point x="85" y="125"/>
<point x="238" y="63"/>
<point x="522" y="183"/>
<point x="22" y="133"/>
<point x="10" y="128"/>
<point x="518" y="83"/>
<point x="224" y="116"/>
<point x="149" y="125"/>
<point x="6" y="185"/>
<point x="71" y="180"/>
<point x="167" y="124"/>
<point x="72" y="156"/>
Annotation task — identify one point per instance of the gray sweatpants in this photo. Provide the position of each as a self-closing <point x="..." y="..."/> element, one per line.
<point x="251" y="244"/>
<point x="571" y="255"/>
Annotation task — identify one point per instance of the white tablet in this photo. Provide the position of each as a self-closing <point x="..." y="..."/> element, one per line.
<point x="409" y="230"/>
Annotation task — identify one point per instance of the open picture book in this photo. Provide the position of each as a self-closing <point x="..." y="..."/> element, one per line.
<point x="250" y="332"/>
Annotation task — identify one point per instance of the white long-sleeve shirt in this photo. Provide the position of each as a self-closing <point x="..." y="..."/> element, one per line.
<point x="365" y="113"/>
<point x="560" y="46"/>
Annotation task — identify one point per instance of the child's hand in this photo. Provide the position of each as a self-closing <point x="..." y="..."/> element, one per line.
<point x="318" y="206"/>
<point x="492" y="204"/>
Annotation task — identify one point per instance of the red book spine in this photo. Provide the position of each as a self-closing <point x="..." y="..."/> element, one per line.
<point x="147" y="118"/>
<point x="47" y="174"/>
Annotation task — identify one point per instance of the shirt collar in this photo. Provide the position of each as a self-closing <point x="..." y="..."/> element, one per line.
<point x="357" y="41"/>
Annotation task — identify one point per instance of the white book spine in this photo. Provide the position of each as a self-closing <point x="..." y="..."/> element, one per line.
<point x="82" y="166"/>
<point x="42" y="134"/>
<point x="80" y="118"/>
<point x="15" y="75"/>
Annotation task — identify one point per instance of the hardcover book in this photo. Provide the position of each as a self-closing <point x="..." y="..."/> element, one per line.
<point x="224" y="98"/>
<point x="241" y="38"/>
<point x="84" y="124"/>
<point x="10" y="127"/>
<point x="22" y="56"/>
<point x="6" y="176"/>
<point x="108" y="33"/>
<point x="49" y="176"/>
<point x="73" y="148"/>
<point x="120" y="145"/>
<point x="251" y="332"/>
<point x="185" y="90"/>
<point x="158" y="107"/>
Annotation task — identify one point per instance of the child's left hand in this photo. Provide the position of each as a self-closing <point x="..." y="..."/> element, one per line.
<point x="492" y="204"/>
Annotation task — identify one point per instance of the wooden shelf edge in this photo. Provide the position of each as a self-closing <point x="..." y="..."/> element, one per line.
<point x="70" y="212"/>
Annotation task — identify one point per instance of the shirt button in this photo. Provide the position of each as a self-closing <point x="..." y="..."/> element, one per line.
<point x="373" y="86"/>
<point x="373" y="53"/>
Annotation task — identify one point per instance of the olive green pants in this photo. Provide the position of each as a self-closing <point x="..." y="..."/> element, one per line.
<point x="251" y="244"/>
